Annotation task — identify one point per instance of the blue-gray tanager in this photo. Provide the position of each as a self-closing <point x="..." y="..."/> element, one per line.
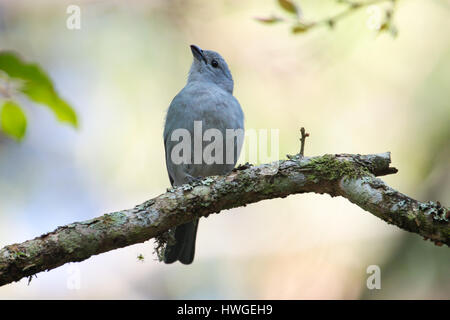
<point x="206" y="102"/>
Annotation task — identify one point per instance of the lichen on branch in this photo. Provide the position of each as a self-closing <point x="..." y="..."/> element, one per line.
<point x="346" y="175"/>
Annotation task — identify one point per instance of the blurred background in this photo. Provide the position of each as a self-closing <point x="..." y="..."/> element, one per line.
<point x="355" y="91"/>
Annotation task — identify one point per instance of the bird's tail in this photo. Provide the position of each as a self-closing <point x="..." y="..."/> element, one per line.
<point x="184" y="247"/>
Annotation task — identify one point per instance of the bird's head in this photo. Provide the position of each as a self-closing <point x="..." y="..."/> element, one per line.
<point x="209" y="66"/>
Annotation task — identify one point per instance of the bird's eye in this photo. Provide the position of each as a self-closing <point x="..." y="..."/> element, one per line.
<point x="214" y="63"/>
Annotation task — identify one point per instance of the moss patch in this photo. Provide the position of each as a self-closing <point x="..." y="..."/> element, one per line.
<point x="329" y="167"/>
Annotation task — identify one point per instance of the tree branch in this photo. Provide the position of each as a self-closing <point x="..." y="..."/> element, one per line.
<point x="300" y="25"/>
<point x="349" y="176"/>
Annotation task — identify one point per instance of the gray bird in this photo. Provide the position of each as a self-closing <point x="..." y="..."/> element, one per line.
<point x="207" y="97"/>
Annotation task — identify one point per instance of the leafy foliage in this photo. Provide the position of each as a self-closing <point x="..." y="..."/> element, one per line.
<point x="36" y="86"/>
<point x="301" y="25"/>
<point x="13" y="121"/>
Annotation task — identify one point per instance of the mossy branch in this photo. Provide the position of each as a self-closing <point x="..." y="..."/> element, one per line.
<point x="346" y="175"/>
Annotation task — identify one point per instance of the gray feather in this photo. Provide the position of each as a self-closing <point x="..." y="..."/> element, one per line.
<point x="207" y="97"/>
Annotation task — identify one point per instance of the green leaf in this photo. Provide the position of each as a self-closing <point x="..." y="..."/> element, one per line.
<point x="13" y="120"/>
<point x="289" y="6"/>
<point x="268" y="20"/>
<point x="37" y="86"/>
<point x="300" y="28"/>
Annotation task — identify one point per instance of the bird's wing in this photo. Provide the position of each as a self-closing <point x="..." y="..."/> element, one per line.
<point x="167" y="164"/>
<point x="175" y="107"/>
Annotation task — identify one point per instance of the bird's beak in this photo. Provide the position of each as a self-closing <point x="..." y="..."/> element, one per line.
<point x="198" y="53"/>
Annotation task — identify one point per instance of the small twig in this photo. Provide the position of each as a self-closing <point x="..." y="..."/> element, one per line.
<point x="302" y="141"/>
<point x="300" y="25"/>
<point x="352" y="8"/>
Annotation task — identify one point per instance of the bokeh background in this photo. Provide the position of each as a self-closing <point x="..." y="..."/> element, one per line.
<point x="354" y="90"/>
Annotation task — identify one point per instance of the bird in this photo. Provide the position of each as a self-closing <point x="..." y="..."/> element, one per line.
<point x="206" y="99"/>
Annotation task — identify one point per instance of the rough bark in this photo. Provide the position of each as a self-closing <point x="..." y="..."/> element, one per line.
<point x="349" y="176"/>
